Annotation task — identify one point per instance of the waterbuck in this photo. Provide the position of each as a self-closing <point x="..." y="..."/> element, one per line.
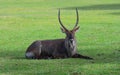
<point x="58" y="48"/>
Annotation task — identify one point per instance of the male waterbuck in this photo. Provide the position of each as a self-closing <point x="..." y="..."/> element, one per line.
<point x="58" y="48"/>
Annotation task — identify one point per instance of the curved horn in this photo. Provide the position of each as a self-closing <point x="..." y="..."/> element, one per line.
<point x="77" y="20"/>
<point x="60" y="20"/>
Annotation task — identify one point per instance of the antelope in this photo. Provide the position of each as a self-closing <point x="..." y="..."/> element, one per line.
<point x="58" y="48"/>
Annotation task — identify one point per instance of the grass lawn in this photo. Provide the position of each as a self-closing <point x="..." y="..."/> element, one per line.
<point x="24" y="21"/>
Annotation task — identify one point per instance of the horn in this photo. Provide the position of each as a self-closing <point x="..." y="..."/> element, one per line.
<point x="60" y="20"/>
<point x="77" y="20"/>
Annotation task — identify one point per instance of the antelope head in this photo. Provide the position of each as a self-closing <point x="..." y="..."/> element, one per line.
<point x="70" y="42"/>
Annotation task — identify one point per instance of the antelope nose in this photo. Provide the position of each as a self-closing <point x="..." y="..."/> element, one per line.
<point x="71" y="40"/>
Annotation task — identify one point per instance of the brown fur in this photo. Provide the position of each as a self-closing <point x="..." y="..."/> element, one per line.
<point x="58" y="48"/>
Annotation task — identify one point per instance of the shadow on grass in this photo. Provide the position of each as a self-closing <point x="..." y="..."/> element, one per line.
<point x="98" y="57"/>
<point x="103" y="57"/>
<point x="16" y="54"/>
<point x="115" y="13"/>
<point x="96" y="7"/>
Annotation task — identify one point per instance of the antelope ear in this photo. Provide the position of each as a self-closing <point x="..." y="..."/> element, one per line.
<point x="62" y="29"/>
<point x="76" y="29"/>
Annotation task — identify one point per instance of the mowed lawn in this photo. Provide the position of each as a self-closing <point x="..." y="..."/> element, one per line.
<point x="24" y="21"/>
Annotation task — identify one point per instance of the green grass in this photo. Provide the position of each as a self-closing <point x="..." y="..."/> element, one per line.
<point x="24" y="21"/>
